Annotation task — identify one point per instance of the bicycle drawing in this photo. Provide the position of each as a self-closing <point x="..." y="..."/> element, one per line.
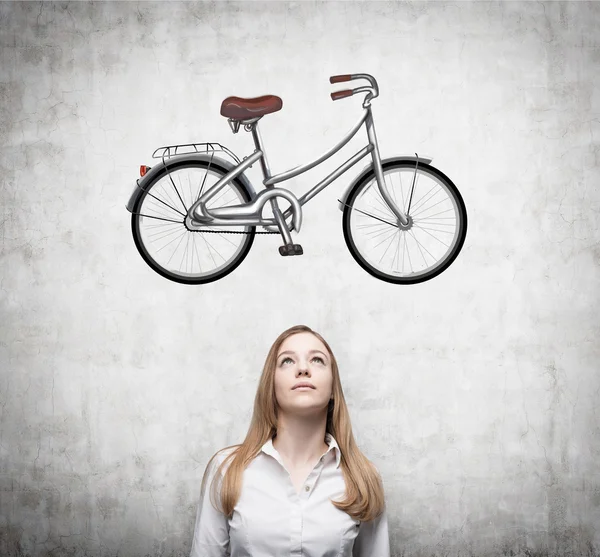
<point x="194" y="215"/>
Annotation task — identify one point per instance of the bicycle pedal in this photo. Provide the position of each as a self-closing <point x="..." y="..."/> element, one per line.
<point x="291" y="249"/>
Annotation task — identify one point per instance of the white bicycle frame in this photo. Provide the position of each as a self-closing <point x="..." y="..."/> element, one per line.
<point x="199" y="216"/>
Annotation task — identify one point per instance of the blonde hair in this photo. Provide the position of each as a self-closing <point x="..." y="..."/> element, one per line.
<point x="364" y="489"/>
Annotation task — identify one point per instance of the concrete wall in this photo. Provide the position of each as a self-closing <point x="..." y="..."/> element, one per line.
<point x="474" y="393"/>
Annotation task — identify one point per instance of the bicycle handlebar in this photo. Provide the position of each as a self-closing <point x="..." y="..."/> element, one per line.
<point x="338" y="78"/>
<point x="341" y="94"/>
<point x="373" y="90"/>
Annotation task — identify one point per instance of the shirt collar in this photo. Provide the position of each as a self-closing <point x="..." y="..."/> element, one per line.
<point x="269" y="449"/>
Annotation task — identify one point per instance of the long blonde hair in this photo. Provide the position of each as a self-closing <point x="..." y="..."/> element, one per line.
<point x="364" y="489"/>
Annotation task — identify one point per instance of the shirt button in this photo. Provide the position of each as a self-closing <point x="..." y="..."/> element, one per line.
<point x="306" y="488"/>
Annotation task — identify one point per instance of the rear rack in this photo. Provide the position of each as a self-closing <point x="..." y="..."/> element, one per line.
<point x="189" y="148"/>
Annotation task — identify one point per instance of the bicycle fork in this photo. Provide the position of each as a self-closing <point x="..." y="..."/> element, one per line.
<point x="402" y="218"/>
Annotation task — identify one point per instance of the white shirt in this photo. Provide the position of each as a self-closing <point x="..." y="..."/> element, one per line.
<point x="271" y="520"/>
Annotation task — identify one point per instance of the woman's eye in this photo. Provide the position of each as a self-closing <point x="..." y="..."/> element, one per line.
<point x="315" y="358"/>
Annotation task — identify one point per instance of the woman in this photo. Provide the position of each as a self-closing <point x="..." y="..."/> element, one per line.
<point x="276" y="488"/>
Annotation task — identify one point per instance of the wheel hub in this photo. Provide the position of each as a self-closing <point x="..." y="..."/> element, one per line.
<point x="188" y="223"/>
<point x="408" y="225"/>
<point x="189" y="226"/>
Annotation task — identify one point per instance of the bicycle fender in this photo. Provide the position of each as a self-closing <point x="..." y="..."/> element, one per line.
<point x="142" y="182"/>
<point x="369" y="168"/>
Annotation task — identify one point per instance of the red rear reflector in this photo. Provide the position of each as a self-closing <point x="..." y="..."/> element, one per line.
<point x="144" y="169"/>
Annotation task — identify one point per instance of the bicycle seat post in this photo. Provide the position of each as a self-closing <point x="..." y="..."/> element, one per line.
<point x="260" y="147"/>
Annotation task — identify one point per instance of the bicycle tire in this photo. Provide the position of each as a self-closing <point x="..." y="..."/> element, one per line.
<point x="187" y="278"/>
<point x="453" y="194"/>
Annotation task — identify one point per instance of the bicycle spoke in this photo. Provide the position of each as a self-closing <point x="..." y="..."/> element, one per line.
<point x="434" y="229"/>
<point x="226" y="239"/>
<point x="388" y="246"/>
<point x="205" y="174"/>
<point x="160" y="225"/>
<point x="436" y="223"/>
<point x="176" y="190"/>
<point x="382" y="202"/>
<point x="420" y="212"/>
<point x="181" y="238"/>
<point x="372" y="194"/>
<point x="219" y="196"/>
<point x="190" y="190"/>
<point x="424" y="199"/>
<point x="370" y="225"/>
<point x="211" y="249"/>
<point x="378" y="233"/>
<point x="374" y="217"/>
<point x="191" y="253"/>
<point x="157" y="214"/>
<point x="160" y="209"/>
<point x="181" y="235"/>
<point x="168" y="195"/>
<point x="419" y="245"/>
<point x="189" y="258"/>
<point x="408" y="252"/>
<point x="396" y="255"/>
<point x="390" y="236"/>
<point x="166" y="204"/>
<point x="161" y="195"/>
<point x="159" y="218"/>
<point x="440" y="213"/>
<point x="447" y="245"/>
<point x="163" y="234"/>
<point x="185" y="252"/>
<point x="182" y="192"/>
<point x="197" y="256"/>
<point x="403" y="254"/>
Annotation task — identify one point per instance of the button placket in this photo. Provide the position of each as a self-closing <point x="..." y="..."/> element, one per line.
<point x="313" y="475"/>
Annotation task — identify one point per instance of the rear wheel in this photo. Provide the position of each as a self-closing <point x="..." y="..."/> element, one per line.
<point x="433" y="238"/>
<point x="168" y="245"/>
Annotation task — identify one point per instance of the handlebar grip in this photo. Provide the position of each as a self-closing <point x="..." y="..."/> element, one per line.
<point x="338" y="78"/>
<point x="341" y="94"/>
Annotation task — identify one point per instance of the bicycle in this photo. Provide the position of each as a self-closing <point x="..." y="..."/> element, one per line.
<point x="213" y="203"/>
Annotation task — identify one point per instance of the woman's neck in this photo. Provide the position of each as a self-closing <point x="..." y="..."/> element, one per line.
<point x="300" y="442"/>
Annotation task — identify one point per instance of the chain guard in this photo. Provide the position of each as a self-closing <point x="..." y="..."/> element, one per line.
<point x="232" y="232"/>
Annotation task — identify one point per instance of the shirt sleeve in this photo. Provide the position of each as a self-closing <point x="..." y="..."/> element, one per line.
<point x="373" y="538"/>
<point x="211" y="532"/>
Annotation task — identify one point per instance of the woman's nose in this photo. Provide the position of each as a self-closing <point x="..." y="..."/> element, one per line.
<point x="302" y="366"/>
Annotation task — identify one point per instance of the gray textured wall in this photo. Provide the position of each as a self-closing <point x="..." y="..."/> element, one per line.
<point x="474" y="393"/>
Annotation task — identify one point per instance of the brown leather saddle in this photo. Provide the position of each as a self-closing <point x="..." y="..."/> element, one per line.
<point x="238" y="108"/>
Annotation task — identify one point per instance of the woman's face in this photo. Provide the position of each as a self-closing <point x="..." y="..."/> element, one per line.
<point x="303" y="357"/>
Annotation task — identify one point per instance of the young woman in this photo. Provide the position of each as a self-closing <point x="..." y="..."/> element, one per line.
<point x="276" y="489"/>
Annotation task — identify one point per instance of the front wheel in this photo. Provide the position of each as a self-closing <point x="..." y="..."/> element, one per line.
<point x="435" y="233"/>
<point x="168" y="245"/>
